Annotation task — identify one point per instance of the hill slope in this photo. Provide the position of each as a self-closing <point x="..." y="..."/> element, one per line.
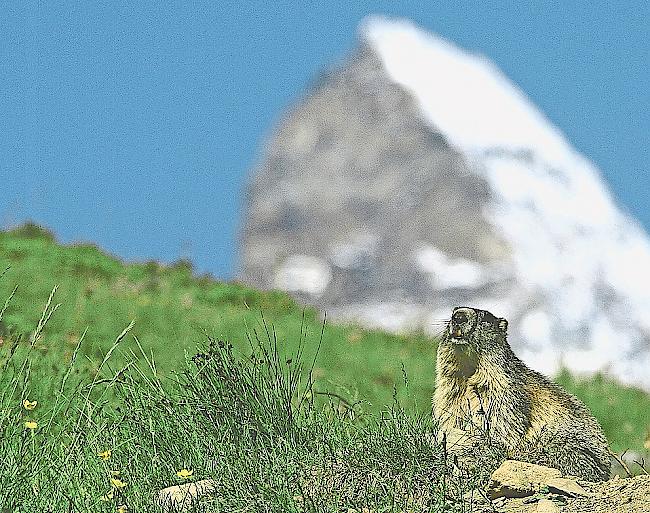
<point x="173" y="311"/>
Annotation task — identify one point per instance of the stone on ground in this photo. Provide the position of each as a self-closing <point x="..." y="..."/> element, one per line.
<point x="519" y="479"/>
<point x="182" y="497"/>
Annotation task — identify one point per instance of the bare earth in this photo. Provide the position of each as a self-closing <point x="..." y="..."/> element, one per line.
<point x="523" y="488"/>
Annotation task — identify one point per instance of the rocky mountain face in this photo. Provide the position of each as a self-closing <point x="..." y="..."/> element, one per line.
<point x="414" y="178"/>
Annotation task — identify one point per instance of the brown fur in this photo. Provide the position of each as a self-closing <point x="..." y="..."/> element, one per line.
<point x="485" y="391"/>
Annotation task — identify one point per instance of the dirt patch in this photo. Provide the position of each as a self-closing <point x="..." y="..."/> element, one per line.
<point x="561" y="495"/>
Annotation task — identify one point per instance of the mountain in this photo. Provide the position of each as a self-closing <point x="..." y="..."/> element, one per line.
<point x="416" y="177"/>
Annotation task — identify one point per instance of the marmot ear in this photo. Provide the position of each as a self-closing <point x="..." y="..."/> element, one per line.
<point x="503" y="324"/>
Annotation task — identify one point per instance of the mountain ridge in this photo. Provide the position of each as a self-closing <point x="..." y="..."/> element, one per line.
<point x="415" y="177"/>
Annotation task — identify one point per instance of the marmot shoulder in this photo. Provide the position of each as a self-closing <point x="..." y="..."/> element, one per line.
<point x="482" y="388"/>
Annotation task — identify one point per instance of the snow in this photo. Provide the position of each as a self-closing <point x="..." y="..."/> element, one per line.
<point x="447" y="273"/>
<point x="393" y="316"/>
<point x="536" y="327"/>
<point x="303" y="273"/>
<point x="463" y="93"/>
<point x="568" y="239"/>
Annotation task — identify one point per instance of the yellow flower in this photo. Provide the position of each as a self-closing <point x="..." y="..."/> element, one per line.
<point x="107" y="497"/>
<point x="117" y="483"/>
<point x="122" y="509"/>
<point x="30" y="424"/>
<point x="184" y="474"/>
<point x="104" y="455"/>
<point x="29" y="405"/>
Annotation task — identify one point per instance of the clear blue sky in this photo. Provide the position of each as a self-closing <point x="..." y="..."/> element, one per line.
<point x="134" y="124"/>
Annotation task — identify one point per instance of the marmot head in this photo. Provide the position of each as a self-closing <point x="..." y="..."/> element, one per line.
<point x="478" y="328"/>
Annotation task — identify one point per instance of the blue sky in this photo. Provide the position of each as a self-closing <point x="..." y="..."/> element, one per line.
<point x="134" y="125"/>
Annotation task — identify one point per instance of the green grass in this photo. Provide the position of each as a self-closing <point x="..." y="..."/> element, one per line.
<point x="173" y="310"/>
<point x="250" y="423"/>
<point x="180" y="414"/>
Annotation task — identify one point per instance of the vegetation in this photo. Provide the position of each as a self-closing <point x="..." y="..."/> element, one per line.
<point x="173" y="311"/>
<point x="250" y="424"/>
<point x="141" y="371"/>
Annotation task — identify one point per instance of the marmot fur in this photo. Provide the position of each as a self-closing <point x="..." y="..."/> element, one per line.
<point x="485" y="391"/>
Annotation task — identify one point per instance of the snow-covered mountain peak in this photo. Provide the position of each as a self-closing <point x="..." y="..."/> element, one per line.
<point x="430" y="180"/>
<point x="464" y="95"/>
<point x="568" y="239"/>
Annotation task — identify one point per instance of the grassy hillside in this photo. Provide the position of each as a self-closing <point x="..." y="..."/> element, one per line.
<point x="250" y="425"/>
<point x="174" y="310"/>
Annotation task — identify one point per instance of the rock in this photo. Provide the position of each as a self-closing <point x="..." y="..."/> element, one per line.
<point x="547" y="506"/>
<point x="519" y="479"/>
<point x="568" y="487"/>
<point x="457" y="440"/>
<point x="360" y="207"/>
<point x="499" y="502"/>
<point x="182" y="497"/>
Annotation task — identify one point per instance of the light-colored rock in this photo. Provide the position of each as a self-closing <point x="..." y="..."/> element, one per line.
<point x="519" y="479"/>
<point x="457" y="440"/>
<point x="547" y="506"/>
<point x="568" y="487"/>
<point x="499" y="502"/>
<point x="183" y="496"/>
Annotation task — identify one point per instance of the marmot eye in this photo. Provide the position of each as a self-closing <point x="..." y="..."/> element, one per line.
<point x="459" y="317"/>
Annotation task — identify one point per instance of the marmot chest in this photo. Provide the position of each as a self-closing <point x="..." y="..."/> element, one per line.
<point x="467" y="389"/>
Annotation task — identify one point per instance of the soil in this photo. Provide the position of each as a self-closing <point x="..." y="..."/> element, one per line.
<point x="618" y="495"/>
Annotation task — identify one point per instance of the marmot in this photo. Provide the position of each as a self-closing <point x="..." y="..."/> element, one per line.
<point x="485" y="391"/>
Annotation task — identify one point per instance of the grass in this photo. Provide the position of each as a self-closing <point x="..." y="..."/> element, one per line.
<point x="173" y="310"/>
<point x="209" y="378"/>
<point x="250" y="423"/>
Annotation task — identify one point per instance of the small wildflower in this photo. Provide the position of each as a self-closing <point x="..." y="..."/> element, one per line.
<point x="104" y="455"/>
<point x="184" y="474"/>
<point x="115" y="472"/>
<point x="122" y="509"/>
<point x="117" y="483"/>
<point x="30" y="424"/>
<point x="29" y="405"/>
<point x="108" y="496"/>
